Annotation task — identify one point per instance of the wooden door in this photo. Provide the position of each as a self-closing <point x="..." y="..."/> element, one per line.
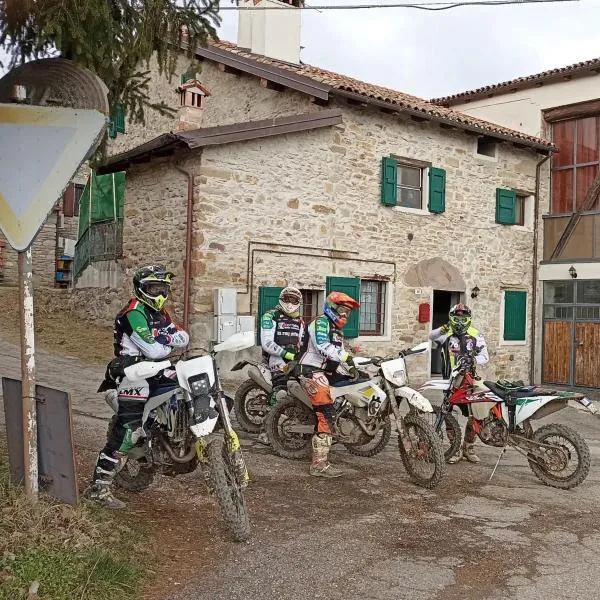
<point x="587" y="354"/>
<point x="558" y="337"/>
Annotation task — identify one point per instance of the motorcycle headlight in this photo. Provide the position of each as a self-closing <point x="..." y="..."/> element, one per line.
<point x="199" y="384"/>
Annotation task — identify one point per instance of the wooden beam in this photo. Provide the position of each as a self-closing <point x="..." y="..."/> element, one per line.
<point x="588" y="204"/>
<point x="572" y="111"/>
<point x="353" y="102"/>
<point x="417" y="119"/>
<point x="387" y="111"/>
<point x="271" y="85"/>
<point x="320" y="101"/>
<point x="227" y="69"/>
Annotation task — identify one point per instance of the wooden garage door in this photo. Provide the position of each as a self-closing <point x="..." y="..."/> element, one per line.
<point x="557" y="351"/>
<point x="587" y="351"/>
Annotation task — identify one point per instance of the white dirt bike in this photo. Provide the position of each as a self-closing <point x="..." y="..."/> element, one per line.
<point x="179" y="431"/>
<point x="502" y="414"/>
<point x="362" y="420"/>
<point x="250" y="403"/>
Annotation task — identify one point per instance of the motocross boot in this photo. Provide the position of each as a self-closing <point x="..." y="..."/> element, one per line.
<point x="455" y="458"/>
<point x="320" y="466"/>
<point x="101" y="489"/>
<point x="469" y="453"/>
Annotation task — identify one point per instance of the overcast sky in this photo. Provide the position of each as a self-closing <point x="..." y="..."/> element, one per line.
<point x="433" y="54"/>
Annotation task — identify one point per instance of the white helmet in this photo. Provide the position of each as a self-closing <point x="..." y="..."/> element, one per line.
<point x="290" y="300"/>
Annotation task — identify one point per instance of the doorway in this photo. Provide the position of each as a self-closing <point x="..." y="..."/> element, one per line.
<point x="443" y="301"/>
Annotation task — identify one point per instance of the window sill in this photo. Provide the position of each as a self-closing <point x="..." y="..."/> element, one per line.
<point x="513" y="343"/>
<point x="412" y="211"/>
<point x="373" y="338"/>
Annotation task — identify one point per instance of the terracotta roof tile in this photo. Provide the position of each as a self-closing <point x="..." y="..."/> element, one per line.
<point x="395" y="98"/>
<point x="529" y="81"/>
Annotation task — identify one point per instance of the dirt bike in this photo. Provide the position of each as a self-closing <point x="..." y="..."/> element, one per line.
<point x="502" y="413"/>
<point x="179" y="425"/>
<point x="362" y="418"/>
<point x="251" y="398"/>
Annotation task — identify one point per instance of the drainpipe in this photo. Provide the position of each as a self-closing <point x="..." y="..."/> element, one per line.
<point x="188" y="247"/>
<point x="536" y="216"/>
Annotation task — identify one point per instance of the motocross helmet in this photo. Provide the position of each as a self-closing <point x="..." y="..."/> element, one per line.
<point x="460" y="318"/>
<point x="290" y="300"/>
<point x="338" y="307"/>
<point x="152" y="285"/>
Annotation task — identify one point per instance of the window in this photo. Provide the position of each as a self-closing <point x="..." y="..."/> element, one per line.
<point x="486" y="147"/>
<point x="311" y="304"/>
<point x="78" y="193"/>
<point x="515" y="317"/>
<point x="188" y="98"/>
<point x="410" y="186"/>
<point x="372" y="307"/>
<point x="520" y="210"/>
<point x="575" y="165"/>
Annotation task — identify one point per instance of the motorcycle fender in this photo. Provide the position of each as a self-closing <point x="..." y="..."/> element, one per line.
<point x="538" y="408"/>
<point x="258" y="378"/>
<point x="584" y="403"/>
<point x="414" y="398"/>
<point x="435" y="384"/>
<point x="297" y="391"/>
<point x="239" y="365"/>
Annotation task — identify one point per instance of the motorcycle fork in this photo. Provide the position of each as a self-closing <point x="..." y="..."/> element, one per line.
<point x="391" y="398"/>
<point x="233" y="443"/>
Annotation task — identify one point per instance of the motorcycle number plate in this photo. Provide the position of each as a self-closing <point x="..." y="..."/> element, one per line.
<point x="368" y="393"/>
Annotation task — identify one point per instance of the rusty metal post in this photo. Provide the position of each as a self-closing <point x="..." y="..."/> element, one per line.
<point x="30" y="455"/>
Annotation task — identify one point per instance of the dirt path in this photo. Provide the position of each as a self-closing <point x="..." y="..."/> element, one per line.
<point x="372" y="535"/>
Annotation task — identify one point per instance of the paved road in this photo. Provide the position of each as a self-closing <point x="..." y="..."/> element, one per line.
<point x="372" y="535"/>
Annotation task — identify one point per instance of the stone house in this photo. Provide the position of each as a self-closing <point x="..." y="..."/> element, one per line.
<point x="306" y="177"/>
<point x="563" y="105"/>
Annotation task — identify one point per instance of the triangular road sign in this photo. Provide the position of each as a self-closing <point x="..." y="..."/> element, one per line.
<point x="41" y="149"/>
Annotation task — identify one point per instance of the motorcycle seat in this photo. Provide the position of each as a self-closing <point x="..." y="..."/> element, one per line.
<point x="513" y="393"/>
<point x="347" y="382"/>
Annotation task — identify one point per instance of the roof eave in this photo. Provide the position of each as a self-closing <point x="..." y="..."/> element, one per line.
<point x="539" y="146"/>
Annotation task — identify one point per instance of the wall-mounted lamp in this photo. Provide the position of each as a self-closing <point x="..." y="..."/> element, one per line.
<point x="475" y="292"/>
<point x="573" y="272"/>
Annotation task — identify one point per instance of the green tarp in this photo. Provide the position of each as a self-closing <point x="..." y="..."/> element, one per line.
<point x="102" y="200"/>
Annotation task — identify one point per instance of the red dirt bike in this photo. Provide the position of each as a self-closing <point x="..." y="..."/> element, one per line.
<point x="502" y="413"/>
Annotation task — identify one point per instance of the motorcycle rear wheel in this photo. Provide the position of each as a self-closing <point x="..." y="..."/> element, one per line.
<point x="561" y="435"/>
<point x="227" y="490"/>
<point x="248" y="421"/>
<point x="296" y="446"/>
<point x="429" y="447"/>
<point x="376" y="444"/>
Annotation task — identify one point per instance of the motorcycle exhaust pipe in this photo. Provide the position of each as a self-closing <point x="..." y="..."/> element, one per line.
<point x="174" y="457"/>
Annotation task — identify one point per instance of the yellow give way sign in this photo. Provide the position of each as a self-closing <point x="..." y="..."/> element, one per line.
<point x="41" y="148"/>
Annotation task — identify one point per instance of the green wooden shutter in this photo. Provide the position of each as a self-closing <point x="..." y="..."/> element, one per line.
<point x="515" y="316"/>
<point x="268" y="298"/>
<point x="437" y="190"/>
<point x="389" y="181"/>
<point x="350" y="286"/>
<point x="185" y="77"/>
<point x="117" y="125"/>
<point x="506" y="207"/>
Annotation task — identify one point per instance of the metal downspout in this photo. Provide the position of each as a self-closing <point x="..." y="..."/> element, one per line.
<point x="188" y="247"/>
<point x="536" y="227"/>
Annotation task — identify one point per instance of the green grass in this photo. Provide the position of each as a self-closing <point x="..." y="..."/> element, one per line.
<point x="74" y="553"/>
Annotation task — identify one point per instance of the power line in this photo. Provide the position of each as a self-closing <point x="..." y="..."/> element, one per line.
<point x="417" y="5"/>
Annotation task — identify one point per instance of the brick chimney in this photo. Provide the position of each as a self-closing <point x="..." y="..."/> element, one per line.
<point x="273" y="33"/>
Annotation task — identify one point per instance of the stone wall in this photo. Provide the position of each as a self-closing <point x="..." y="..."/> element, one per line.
<point x="321" y="189"/>
<point x="233" y="99"/>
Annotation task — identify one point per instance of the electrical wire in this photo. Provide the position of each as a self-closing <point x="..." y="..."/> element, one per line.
<point x="416" y="5"/>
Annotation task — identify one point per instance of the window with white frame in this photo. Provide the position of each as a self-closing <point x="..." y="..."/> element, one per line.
<point x="372" y="307"/>
<point x="410" y="186"/>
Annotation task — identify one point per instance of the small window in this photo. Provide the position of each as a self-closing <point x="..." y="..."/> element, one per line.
<point x="372" y="307"/>
<point x="520" y="210"/>
<point x="187" y="98"/>
<point x="486" y="147"/>
<point x="78" y="193"/>
<point x="410" y="186"/>
<point x="311" y="304"/>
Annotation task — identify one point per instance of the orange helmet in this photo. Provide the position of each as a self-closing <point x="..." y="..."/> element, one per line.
<point x="338" y="307"/>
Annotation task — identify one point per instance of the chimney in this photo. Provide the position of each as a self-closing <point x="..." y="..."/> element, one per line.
<point x="274" y="33"/>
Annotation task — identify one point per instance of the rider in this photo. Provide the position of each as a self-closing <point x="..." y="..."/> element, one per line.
<point x="143" y="330"/>
<point x="319" y="363"/>
<point x="281" y="335"/>
<point x="455" y="337"/>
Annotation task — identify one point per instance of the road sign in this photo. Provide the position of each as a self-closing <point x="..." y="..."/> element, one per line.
<point x="42" y="148"/>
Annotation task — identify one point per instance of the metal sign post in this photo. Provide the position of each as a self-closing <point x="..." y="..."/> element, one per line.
<point x="30" y="454"/>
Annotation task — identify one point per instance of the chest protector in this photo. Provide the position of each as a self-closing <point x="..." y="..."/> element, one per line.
<point x="336" y="337"/>
<point x="287" y="331"/>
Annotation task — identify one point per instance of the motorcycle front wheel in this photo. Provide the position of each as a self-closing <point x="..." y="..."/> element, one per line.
<point x="567" y="465"/>
<point x="449" y="431"/>
<point x="227" y="490"/>
<point x="250" y="406"/>
<point x="285" y="443"/>
<point x="421" y="452"/>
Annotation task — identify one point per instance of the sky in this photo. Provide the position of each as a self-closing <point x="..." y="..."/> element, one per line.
<point x="433" y="54"/>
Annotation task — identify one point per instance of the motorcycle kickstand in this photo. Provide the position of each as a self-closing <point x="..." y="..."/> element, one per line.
<point x="498" y="461"/>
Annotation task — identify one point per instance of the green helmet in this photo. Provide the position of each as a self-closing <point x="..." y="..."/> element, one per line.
<point x="152" y="285"/>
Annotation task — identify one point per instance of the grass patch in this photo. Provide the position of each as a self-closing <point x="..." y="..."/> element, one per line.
<point x="73" y="553"/>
